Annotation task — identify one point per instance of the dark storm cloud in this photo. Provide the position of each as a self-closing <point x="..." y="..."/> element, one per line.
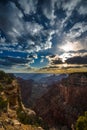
<point x="82" y="51"/>
<point x="77" y="60"/>
<point x="59" y="61"/>
<point x="54" y="59"/>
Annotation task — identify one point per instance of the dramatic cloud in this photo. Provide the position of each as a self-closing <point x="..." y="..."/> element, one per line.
<point x="54" y="59"/>
<point x="70" y="54"/>
<point x="72" y="46"/>
<point x="29" y="6"/>
<point x="77" y="30"/>
<point x="83" y="8"/>
<point x="40" y="33"/>
<point x="77" y="60"/>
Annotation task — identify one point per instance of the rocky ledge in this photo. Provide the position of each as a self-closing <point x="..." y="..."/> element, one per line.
<point x="13" y="114"/>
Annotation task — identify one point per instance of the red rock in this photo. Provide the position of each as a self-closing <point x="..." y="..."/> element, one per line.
<point x="65" y="101"/>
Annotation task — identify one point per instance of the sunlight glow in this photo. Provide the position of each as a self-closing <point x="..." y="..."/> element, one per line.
<point x="65" y="56"/>
<point x="65" y="65"/>
<point x="71" y="46"/>
<point x="67" y="47"/>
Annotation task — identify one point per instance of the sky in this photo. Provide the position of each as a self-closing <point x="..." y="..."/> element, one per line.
<point x="39" y="34"/>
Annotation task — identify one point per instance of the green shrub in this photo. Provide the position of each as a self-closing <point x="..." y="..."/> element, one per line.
<point x="9" y="80"/>
<point x="6" y="78"/>
<point x="81" y="123"/>
<point x="31" y="119"/>
<point x="2" y="74"/>
<point x="1" y="88"/>
<point x="3" y="104"/>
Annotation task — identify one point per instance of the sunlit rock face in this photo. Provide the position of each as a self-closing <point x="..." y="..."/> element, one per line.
<point x="65" y="101"/>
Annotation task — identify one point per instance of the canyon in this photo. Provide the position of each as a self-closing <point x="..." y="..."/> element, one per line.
<point x="64" y="102"/>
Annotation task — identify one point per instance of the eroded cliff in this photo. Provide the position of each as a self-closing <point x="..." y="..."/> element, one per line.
<point x="13" y="114"/>
<point x="65" y="101"/>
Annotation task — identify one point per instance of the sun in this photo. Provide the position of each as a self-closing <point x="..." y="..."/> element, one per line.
<point x="71" y="46"/>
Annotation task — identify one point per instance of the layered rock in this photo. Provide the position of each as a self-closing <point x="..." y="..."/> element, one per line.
<point x="13" y="114"/>
<point x="25" y="90"/>
<point x="65" y="101"/>
<point x="33" y="86"/>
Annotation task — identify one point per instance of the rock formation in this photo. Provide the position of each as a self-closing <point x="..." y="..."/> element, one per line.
<point x="25" y="90"/>
<point x="13" y="114"/>
<point x="36" y="85"/>
<point x="65" y="101"/>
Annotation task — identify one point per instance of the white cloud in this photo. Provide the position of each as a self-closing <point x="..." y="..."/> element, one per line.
<point x="77" y="30"/>
<point x="16" y="31"/>
<point x="69" y="7"/>
<point x="49" y="10"/>
<point x="30" y="42"/>
<point x="16" y="27"/>
<point x="35" y="46"/>
<point x="82" y="10"/>
<point x="48" y="43"/>
<point x="33" y="28"/>
<point x="1" y="52"/>
<point x="72" y="40"/>
<point x="67" y="55"/>
<point x="84" y="42"/>
<point x="13" y="27"/>
<point x="71" y="46"/>
<point x="29" y="6"/>
<point x="2" y="39"/>
<point x="42" y="60"/>
<point x="53" y="58"/>
<point x="35" y="56"/>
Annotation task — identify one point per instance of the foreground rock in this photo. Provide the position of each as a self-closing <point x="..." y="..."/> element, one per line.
<point x="13" y="114"/>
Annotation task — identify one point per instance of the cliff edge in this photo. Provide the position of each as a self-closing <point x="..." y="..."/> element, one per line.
<point x="13" y="114"/>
